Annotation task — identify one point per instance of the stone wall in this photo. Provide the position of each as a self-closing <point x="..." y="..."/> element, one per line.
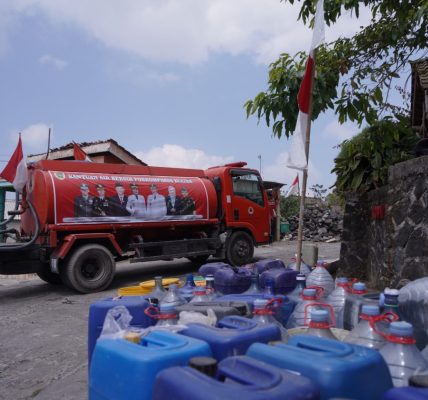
<point x="386" y="250"/>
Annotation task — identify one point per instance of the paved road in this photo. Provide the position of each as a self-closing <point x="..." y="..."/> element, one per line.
<point x="43" y="328"/>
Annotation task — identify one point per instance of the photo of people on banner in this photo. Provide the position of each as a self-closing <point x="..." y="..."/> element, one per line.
<point x="120" y="201"/>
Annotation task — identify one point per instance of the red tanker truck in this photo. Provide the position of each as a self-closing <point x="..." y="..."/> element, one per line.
<point x="78" y="218"/>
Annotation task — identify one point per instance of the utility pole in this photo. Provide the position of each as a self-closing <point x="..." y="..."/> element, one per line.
<point x="260" y="163"/>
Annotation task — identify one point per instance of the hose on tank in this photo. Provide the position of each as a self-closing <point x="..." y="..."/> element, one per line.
<point x="10" y="219"/>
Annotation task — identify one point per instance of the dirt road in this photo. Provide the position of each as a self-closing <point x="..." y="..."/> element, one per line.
<point x="43" y="328"/>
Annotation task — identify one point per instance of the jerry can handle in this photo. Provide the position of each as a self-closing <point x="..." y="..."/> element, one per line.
<point x="389" y="316"/>
<point x="236" y="322"/>
<point x="332" y="323"/>
<point x="242" y="370"/>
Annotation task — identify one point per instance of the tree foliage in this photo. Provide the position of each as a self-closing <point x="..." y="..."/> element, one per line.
<point x="289" y="206"/>
<point x="354" y="75"/>
<point x="363" y="161"/>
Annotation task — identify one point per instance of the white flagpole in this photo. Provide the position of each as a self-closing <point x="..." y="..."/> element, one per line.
<point x="305" y="171"/>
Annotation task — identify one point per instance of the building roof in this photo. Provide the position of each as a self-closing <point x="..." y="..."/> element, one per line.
<point x="90" y="148"/>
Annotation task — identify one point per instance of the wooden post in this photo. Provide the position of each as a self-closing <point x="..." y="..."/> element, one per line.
<point x="305" y="172"/>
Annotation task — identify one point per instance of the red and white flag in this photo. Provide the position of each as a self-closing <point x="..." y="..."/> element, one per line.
<point x="297" y="157"/>
<point x="79" y="154"/>
<point x="15" y="171"/>
<point x="294" y="188"/>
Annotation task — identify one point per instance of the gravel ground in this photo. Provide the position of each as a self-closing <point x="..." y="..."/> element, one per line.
<point x="43" y="328"/>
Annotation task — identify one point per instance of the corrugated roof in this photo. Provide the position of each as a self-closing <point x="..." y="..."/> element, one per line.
<point x="86" y="147"/>
<point x="421" y="69"/>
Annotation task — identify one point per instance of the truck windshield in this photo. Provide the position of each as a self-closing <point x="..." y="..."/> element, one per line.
<point x="247" y="184"/>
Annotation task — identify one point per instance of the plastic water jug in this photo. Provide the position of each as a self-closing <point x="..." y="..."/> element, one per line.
<point x="263" y="314"/>
<point x="200" y="295"/>
<point x="353" y="304"/>
<point x="413" y="301"/>
<point x="264" y="265"/>
<point x="98" y="311"/>
<point x="187" y="290"/>
<point x="341" y="370"/>
<point x="237" y="377"/>
<point x="212" y="268"/>
<point x="337" y="300"/>
<point x="363" y="334"/>
<point x="165" y="315"/>
<point x="122" y="370"/>
<point x="233" y="335"/>
<point x="305" y="269"/>
<point x="209" y="287"/>
<point x="300" y="285"/>
<point x="310" y="298"/>
<point x="221" y="308"/>
<point x="281" y="314"/>
<point x="320" y="325"/>
<point x="401" y="354"/>
<point x="173" y="297"/>
<point x="390" y="301"/>
<point x="254" y="287"/>
<point x="284" y="279"/>
<point x="322" y="278"/>
<point x="158" y="291"/>
<point x="232" y="280"/>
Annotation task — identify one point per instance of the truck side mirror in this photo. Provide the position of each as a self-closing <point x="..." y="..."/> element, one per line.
<point x="217" y="183"/>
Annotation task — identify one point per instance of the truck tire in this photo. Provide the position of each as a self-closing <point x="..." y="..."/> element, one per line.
<point x="90" y="268"/>
<point x="239" y="248"/>
<point x="45" y="274"/>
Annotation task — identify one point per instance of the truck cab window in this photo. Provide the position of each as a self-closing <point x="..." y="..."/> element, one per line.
<point x="247" y="184"/>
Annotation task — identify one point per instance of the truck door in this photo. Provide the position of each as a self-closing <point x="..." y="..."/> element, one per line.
<point x="248" y="206"/>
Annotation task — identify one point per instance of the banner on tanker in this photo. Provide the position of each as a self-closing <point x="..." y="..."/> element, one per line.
<point x="99" y="198"/>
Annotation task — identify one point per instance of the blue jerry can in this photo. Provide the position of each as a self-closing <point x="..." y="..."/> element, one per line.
<point x="406" y="393"/>
<point x="233" y="335"/>
<point x="98" y="311"/>
<point x="264" y="265"/>
<point x="121" y="370"/>
<point x="339" y="369"/>
<point x="237" y="378"/>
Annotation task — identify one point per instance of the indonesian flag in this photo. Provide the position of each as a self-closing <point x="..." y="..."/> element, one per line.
<point x="297" y="157"/>
<point x="15" y="171"/>
<point x="294" y="188"/>
<point x="79" y="154"/>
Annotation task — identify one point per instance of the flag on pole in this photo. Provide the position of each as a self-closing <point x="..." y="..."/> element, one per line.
<point x="15" y="171"/>
<point x="297" y="157"/>
<point x="79" y="154"/>
<point x="294" y="188"/>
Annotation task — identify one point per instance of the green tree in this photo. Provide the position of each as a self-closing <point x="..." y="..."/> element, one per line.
<point x="318" y="191"/>
<point x="354" y="75"/>
<point x="364" y="160"/>
<point x="289" y="206"/>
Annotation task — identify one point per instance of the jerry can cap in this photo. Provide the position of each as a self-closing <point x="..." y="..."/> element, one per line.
<point x="391" y="292"/>
<point x="309" y="292"/>
<point x="359" y="286"/>
<point x="319" y="315"/>
<point x="370" y="309"/>
<point x="342" y="280"/>
<point x="401" y="328"/>
<point x="300" y="277"/>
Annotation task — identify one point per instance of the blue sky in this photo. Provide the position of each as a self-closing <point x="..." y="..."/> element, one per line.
<point x="167" y="79"/>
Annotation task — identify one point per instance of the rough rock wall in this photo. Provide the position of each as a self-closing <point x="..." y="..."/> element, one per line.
<point x="394" y="247"/>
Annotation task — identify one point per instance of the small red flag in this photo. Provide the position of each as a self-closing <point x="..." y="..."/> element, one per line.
<point x="79" y="154"/>
<point x="15" y="171"/>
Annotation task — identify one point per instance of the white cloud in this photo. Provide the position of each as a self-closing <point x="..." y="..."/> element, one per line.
<point x="34" y="138"/>
<point x="278" y="172"/>
<point x="172" y="155"/>
<point x="188" y="31"/>
<point x="52" y="61"/>
<point x="340" y="132"/>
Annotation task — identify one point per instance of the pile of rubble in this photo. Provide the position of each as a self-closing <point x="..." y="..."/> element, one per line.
<point x="321" y="224"/>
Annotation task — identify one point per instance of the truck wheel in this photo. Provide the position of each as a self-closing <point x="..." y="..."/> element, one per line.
<point x="90" y="268"/>
<point x="45" y="274"/>
<point x="239" y="248"/>
<point x="198" y="259"/>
